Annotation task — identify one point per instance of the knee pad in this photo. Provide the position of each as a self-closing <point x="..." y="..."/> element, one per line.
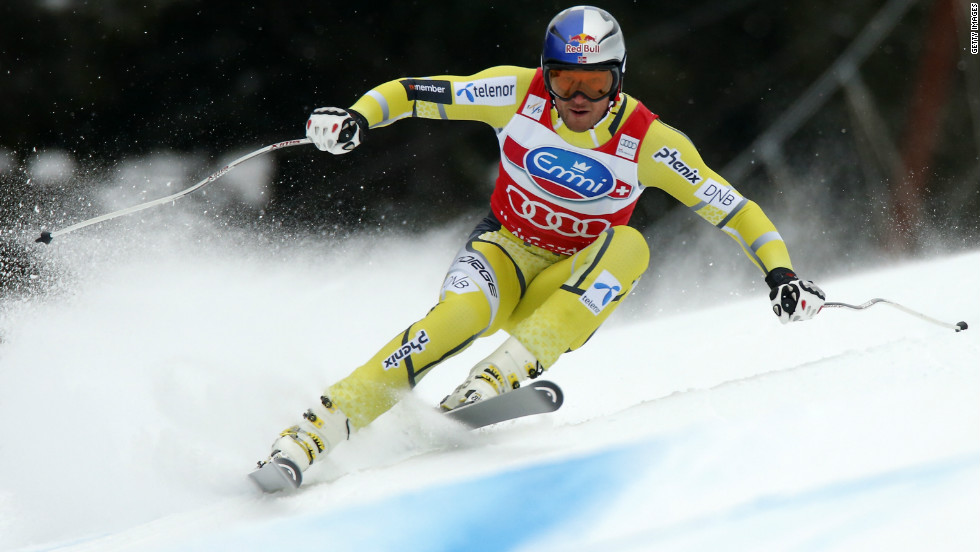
<point x="471" y="272"/>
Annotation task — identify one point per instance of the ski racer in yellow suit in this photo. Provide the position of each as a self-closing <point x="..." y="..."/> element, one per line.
<point x="556" y="255"/>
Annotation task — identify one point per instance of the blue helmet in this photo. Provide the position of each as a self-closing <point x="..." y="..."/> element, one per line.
<point x="584" y="35"/>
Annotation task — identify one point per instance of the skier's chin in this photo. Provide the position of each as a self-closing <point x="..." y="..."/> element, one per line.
<point x="578" y="122"/>
<point x="582" y="117"/>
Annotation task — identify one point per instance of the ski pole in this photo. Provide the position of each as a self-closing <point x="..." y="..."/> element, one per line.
<point x="46" y="237"/>
<point x="958" y="326"/>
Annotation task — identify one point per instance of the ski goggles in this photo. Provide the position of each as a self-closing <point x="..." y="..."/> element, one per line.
<point x="593" y="83"/>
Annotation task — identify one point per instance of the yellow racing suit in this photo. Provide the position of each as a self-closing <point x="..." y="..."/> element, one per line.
<point x="556" y="255"/>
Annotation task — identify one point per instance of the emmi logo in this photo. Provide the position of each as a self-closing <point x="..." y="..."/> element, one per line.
<point x="567" y="174"/>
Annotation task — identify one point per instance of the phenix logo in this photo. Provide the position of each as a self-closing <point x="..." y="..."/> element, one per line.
<point x="416" y="345"/>
<point x="672" y="158"/>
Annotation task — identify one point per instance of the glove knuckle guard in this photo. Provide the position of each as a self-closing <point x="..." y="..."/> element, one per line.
<point x="334" y="130"/>
<point x="796" y="300"/>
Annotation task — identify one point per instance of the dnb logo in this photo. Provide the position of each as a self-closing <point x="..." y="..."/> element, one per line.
<point x="568" y="175"/>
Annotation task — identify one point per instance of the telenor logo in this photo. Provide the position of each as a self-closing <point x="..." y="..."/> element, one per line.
<point x="568" y="175"/>
<point x="489" y="91"/>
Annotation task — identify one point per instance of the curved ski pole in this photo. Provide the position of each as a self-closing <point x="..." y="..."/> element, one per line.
<point x="46" y="237"/>
<point x="958" y="326"/>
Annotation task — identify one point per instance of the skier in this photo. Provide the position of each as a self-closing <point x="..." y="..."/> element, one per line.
<point x="555" y="256"/>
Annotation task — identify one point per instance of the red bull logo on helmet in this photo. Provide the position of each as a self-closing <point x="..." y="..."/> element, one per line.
<point x="583" y="44"/>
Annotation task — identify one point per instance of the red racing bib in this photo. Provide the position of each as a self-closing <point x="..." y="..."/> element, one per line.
<point x="557" y="196"/>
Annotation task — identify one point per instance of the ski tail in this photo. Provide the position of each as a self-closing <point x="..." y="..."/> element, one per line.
<point x="277" y="474"/>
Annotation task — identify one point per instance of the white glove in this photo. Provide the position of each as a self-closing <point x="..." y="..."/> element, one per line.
<point x="793" y="299"/>
<point x="335" y="130"/>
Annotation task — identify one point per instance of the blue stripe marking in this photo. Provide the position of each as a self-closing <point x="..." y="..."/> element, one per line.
<point x="508" y="510"/>
<point x="552" y="502"/>
<point x="822" y="518"/>
<point x="497" y="512"/>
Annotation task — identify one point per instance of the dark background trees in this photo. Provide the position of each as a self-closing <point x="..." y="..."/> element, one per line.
<point x="891" y="145"/>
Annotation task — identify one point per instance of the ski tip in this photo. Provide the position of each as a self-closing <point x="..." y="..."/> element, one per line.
<point x="553" y="391"/>
<point x="289" y="469"/>
<point x="46" y="237"/>
<point x="960" y="326"/>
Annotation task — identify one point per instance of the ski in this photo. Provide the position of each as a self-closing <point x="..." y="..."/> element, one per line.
<point x="277" y="474"/>
<point x="538" y="397"/>
<point x="281" y="474"/>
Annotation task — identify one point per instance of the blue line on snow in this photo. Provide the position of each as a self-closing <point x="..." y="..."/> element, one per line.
<point x="500" y="511"/>
<point x="515" y="508"/>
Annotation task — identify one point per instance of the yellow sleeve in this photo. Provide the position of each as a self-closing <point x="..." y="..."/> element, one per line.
<point x="669" y="161"/>
<point x="490" y="96"/>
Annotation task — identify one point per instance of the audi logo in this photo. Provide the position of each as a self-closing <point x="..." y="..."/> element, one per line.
<point x="546" y="218"/>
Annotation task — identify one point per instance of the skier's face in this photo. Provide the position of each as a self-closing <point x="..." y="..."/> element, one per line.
<point x="579" y="114"/>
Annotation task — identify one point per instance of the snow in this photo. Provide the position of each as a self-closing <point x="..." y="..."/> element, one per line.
<point x="138" y="394"/>
<point x="50" y="167"/>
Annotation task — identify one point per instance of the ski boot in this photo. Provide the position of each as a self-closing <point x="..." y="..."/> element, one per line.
<point x="322" y="428"/>
<point x="500" y="372"/>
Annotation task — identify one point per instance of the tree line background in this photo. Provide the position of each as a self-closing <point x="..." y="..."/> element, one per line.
<point x="889" y="162"/>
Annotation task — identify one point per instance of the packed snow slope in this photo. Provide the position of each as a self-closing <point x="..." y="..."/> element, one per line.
<point x="139" y="391"/>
